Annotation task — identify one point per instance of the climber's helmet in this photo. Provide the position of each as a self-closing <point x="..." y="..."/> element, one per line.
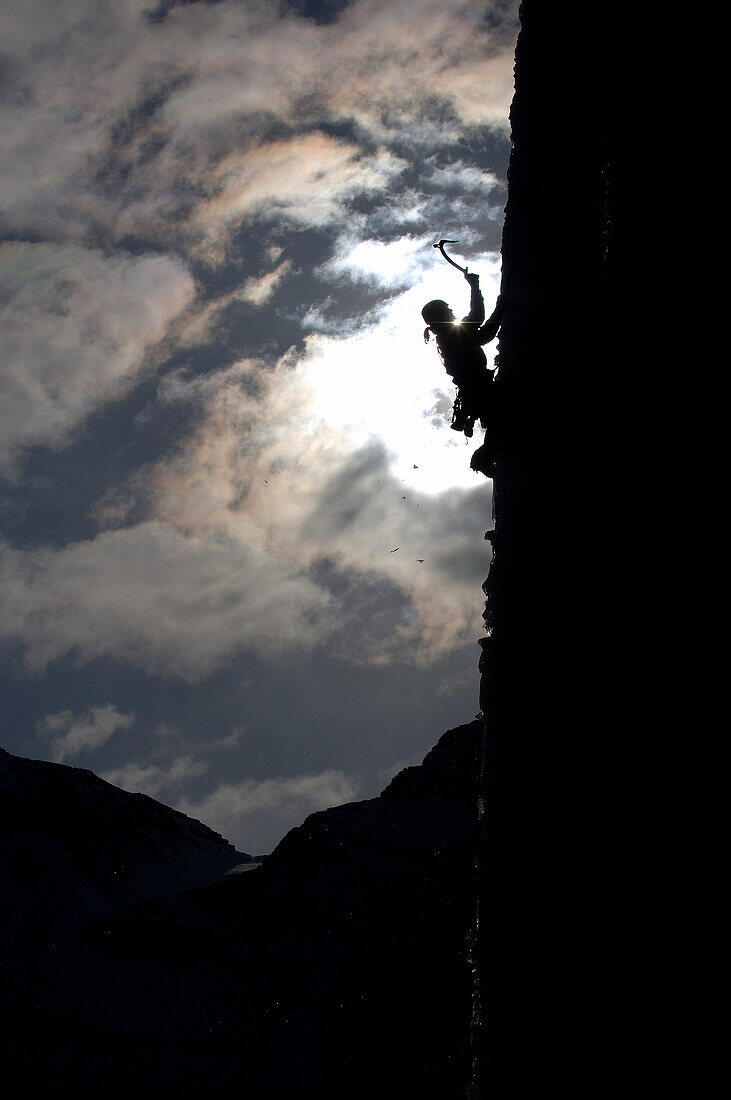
<point x="437" y="312"/>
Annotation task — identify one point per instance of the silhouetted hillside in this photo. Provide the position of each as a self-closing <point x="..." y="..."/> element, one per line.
<point x="343" y="956"/>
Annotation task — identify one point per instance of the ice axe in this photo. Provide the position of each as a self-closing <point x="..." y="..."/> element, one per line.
<point x="440" y="245"/>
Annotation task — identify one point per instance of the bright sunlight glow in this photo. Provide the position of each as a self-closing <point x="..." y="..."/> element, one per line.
<point x="385" y="382"/>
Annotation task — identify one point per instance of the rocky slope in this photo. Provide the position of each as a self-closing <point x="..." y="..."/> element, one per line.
<point x="65" y="822"/>
<point x="73" y="847"/>
<point x="338" y="966"/>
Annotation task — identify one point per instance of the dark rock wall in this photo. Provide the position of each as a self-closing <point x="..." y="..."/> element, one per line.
<point x="555" y="690"/>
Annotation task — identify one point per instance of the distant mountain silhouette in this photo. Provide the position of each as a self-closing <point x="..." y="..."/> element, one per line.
<point x="341" y="957"/>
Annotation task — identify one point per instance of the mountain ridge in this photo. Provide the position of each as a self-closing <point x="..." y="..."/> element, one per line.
<point x="347" y="947"/>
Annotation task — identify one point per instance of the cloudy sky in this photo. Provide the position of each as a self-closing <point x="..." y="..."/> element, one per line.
<point x="241" y="548"/>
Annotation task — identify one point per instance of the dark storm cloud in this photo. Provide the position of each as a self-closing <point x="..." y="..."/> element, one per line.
<point x="344" y="495"/>
<point x="369" y="613"/>
<point x="320" y="11"/>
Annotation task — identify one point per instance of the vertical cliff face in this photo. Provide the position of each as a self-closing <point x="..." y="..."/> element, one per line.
<point x="550" y="690"/>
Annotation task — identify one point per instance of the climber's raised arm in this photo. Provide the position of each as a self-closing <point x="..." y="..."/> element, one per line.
<point x="476" y="314"/>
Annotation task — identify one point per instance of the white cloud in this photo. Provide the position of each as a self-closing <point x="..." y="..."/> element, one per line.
<point x="230" y="741"/>
<point x="76" y="326"/>
<point x="461" y="177"/>
<point x="254" y="815"/>
<point x="304" y="179"/>
<point x="156" y="598"/>
<point x="265" y="468"/>
<point x="118" y="125"/>
<point x="155" y="779"/>
<point x="73" y="734"/>
<point x="387" y="264"/>
<point x="259" y="290"/>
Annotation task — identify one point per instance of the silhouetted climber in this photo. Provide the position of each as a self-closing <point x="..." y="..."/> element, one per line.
<point x="460" y="347"/>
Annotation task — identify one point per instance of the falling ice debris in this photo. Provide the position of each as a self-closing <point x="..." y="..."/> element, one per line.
<point x="397" y="548"/>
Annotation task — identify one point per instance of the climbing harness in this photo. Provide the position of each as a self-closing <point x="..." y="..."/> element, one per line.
<point x="461" y="421"/>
